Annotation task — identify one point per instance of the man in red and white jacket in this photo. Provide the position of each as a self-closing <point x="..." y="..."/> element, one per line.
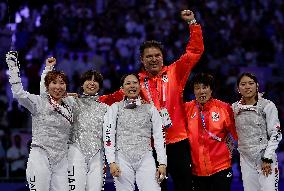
<point x="163" y="86"/>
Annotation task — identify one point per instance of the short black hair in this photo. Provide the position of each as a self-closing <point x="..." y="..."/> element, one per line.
<point x="98" y="77"/>
<point x="203" y="78"/>
<point x="150" y="44"/>
<point x="124" y="76"/>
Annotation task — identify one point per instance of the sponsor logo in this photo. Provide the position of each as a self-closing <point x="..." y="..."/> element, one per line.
<point x="229" y="175"/>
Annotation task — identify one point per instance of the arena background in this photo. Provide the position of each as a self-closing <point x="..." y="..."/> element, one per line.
<point x="105" y="35"/>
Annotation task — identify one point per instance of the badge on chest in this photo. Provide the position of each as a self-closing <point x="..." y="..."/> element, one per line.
<point x="167" y="122"/>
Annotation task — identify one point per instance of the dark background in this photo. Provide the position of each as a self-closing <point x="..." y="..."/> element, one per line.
<point x="105" y="35"/>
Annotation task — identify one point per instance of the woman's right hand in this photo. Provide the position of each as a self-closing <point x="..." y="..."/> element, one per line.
<point x="11" y="60"/>
<point x="114" y="169"/>
<point x="51" y="61"/>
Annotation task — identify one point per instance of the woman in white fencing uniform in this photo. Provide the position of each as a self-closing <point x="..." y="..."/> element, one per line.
<point x="51" y="123"/>
<point x="259" y="134"/>
<point x="86" y="156"/>
<point x="128" y="128"/>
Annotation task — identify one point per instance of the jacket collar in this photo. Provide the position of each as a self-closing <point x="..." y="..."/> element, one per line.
<point x="206" y="106"/>
<point x="143" y="73"/>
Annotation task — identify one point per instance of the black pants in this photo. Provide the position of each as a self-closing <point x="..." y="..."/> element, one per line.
<point x="220" y="181"/>
<point x="179" y="165"/>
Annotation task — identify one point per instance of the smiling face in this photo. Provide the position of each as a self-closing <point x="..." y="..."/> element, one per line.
<point x="91" y="87"/>
<point x="131" y="86"/>
<point x="247" y="87"/>
<point x="57" y="88"/>
<point x="202" y="93"/>
<point x="152" y="59"/>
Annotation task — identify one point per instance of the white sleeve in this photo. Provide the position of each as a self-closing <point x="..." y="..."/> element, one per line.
<point x="71" y="100"/>
<point x="109" y="131"/>
<point x="159" y="141"/>
<point x="273" y="130"/>
<point x="24" y="98"/>
<point x="42" y="86"/>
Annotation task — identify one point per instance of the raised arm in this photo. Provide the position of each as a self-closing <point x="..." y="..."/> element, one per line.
<point x="49" y="64"/>
<point x="24" y="98"/>
<point x="193" y="52"/>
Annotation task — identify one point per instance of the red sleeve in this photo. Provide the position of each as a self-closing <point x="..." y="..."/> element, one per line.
<point x="188" y="60"/>
<point x="112" y="98"/>
<point x="231" y="122"/>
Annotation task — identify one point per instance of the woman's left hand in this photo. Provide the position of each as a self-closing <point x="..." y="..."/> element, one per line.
<point x="266" y="168"/>
<point x="161" y="173"/>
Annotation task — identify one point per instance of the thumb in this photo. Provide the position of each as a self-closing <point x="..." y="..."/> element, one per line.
<point x="157" y="173"/>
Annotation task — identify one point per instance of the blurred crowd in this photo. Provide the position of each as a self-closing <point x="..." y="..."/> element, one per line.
<point x="105" y="35"/>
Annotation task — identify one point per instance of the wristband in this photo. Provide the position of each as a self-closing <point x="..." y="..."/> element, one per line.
<point x="191" y="22"/>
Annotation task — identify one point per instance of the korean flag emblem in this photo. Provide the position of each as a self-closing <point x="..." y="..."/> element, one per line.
<point x="165" y="78"/>
<point x="215" y="116"/>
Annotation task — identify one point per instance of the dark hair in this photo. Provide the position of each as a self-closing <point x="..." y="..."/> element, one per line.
<point x="52" y="75"/>
<point x="88" y="76"/>
<point x="123" y="78"/>
<point x="150" y="44"/>
<point x="248" y="74"/>
<point x="203" y="78"/>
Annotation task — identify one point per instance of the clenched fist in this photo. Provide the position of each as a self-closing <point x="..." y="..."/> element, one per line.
<point x="50" y="61"/>
<point x="11" y="59"/>
<point x="187" y="15"/>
